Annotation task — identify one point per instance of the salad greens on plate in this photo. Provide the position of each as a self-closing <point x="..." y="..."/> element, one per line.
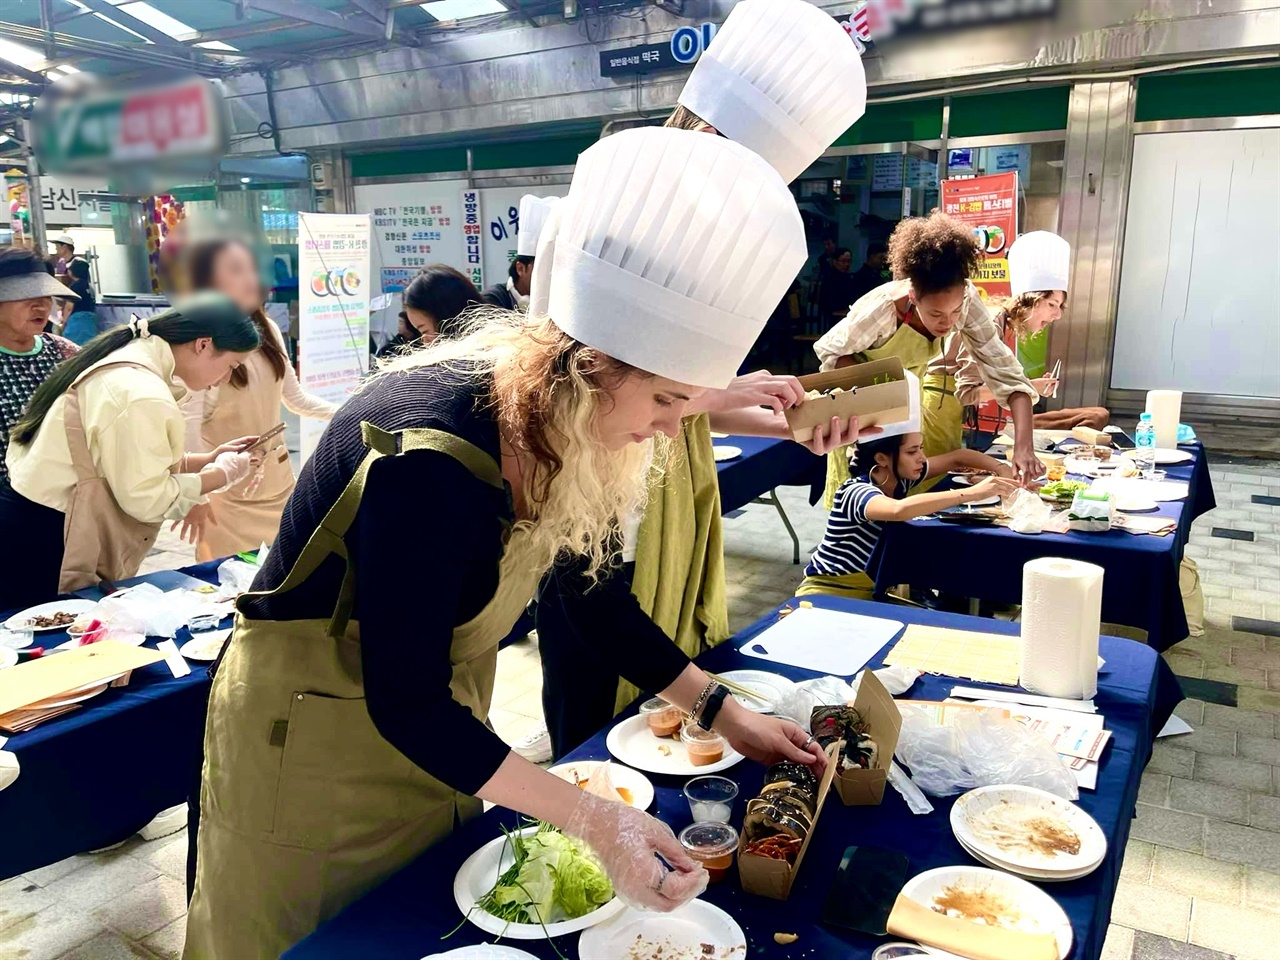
<point x="1062" y="489"/>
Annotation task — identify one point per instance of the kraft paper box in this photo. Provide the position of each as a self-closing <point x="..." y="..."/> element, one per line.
<point x="883" y="396"/>
<point x="773" y="878"/>
<point x="865" y="788"/>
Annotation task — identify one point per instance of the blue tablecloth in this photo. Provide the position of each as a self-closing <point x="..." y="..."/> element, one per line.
<point x="1141" y="584"/>
<point x="405" y="918"/>
<point x="764" y="465"/>
<point x="100" y="773"/>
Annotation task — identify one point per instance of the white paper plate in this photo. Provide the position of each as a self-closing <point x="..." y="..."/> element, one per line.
<point x="772" y="686"/>
<point x="128" y="639"/>
<point x="968" y="812"/>
<point x="78" y="695"/>
<point x="633" y="744"/>
<point x="1036" y="876"/>
<point x="1037" y="912"/>
<point x="1172" y="456"/>
<point x="719" y="436"/>
<point x="8" y="657"/>
<point x="206" y="646"/>
<point x="1136" y="505"/>
<point x="984" y="502"/>
<point x="726" y="452"/>
<point x="483" y="951"/>
<point x="477" y="876"/>
<point x="685" y="929"/>
<point x="1163" y="491"/>
<point x="633" y="781"/>
<point x="19" y="621"/>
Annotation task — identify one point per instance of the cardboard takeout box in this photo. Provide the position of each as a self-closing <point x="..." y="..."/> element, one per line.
<point x="883" y="396"/>
<point x="773" y="878"/>
<point x="864" y="788"/>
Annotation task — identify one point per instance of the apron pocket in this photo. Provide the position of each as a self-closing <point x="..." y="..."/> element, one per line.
<point x="341" y="782"/>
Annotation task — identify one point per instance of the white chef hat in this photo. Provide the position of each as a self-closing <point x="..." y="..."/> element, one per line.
<point x="1039" y="260"/>
<point x="533" y="216"/>
<point x="781" y="77"/>
<point x="670" y="252"/>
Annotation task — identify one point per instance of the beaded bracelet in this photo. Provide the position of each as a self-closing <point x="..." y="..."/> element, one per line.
<point x="702" y="698"/>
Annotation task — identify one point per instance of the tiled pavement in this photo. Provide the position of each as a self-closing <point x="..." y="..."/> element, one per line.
<point x="1201" y="876"/>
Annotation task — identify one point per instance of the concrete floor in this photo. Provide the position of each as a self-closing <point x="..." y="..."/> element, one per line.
<point x="1201" y="876"/>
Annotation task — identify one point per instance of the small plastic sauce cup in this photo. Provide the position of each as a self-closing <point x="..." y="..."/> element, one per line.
<point x="704" y="746"/>
<point x="712" y="845"/>
<point x="710" y="798"/>
<point x="664" y="719"/>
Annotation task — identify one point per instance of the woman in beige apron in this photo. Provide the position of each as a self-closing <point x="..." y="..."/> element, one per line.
<point x="346" y="725"/>
<point x="96" y="463"/>
<point x="248" y="514"/>
<point x="932" y="259"/>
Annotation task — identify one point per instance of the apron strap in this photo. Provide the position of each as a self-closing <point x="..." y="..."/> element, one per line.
<point x="77" y="441"/>
<point x="329" y="537"/>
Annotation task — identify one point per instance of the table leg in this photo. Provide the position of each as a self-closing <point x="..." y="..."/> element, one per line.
<point x="975" y="606"/>
<point x="772" y="498"/>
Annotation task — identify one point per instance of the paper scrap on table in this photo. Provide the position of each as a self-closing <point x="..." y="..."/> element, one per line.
<point x="1085" y="771"/>
<point x="173" y="659"/>
<point x="1030" y="699"/>
<point x="1174" y="726"/>
<point x="1071" y="740"/>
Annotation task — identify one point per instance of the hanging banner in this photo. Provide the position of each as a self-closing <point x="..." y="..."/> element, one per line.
<point x="472" y="232"/>
<point x="333" y="309"/>
<point x="989" y="205"/>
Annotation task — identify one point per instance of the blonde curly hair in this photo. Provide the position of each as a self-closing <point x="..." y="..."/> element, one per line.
<point x="1016" y="311"/>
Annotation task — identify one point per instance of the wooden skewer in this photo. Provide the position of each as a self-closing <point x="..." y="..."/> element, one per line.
<point x="740" y="690"/>
<point x="1057" y="369"/>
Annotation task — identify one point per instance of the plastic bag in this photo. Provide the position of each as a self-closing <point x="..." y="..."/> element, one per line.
<point x="798" y="704"/>
<point x="236" y="577"/>
<point x="978" y="749"/>
<point x="148" y="610"/>
<point x="1027" y="512"/>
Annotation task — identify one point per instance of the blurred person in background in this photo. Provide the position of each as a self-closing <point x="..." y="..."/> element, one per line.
<point x="931" y="305"/>
<point x="837" y="291"/>
<point x="97" y="463"/>
<point x="82" y="324"/>
<point x="28" y="354"/>
<point x="64" y="252"/>
<point x="514" y="294"/>
<point x="248" y="404"/>
<point x="431" y="306"/>
<point x="872" y="273"/>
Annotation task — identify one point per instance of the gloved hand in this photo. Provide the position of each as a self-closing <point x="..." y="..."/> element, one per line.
<point x="625" y="840"/>
<point x="236" y="466"/>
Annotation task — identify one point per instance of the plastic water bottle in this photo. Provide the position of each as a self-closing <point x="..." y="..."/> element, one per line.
<point x="1145" y="438"/>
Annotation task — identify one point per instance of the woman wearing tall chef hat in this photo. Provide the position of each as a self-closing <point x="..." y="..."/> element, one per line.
<point x="1039" y="270"/>
<point x="338" y="748"/>
<point x="783" y="79"/>
<point x="514" y="293"/>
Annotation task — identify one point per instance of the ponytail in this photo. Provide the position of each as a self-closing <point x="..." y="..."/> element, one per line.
<point x="864" y="454"/>
<point x="201" y="315"/>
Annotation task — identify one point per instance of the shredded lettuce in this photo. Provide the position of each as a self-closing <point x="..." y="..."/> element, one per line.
<point x="550" y="871"/>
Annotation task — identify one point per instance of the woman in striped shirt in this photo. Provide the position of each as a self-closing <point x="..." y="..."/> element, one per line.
<point x="884" y="472"/>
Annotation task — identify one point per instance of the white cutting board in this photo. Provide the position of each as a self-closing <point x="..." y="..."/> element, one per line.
<point x="826" y="641"/>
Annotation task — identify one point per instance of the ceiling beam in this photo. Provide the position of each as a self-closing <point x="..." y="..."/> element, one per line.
<point x="46" y="25"/>
<point x="304" y="12"/>
<point x="247" y="30"/>
<point x="147" y="54"/>
<point x="378" y="9"/>
<point x="14" y="70"/>
<point x="517" y="8"/>
<point x="127" y="19"/>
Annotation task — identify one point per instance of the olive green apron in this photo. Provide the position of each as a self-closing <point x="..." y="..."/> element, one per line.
<point x="915" y="350"/>
<point x="941" y="420"/>
<point x="304" y="805"/>
<point x="856" y="586"/>
<point x="679" y="578"/>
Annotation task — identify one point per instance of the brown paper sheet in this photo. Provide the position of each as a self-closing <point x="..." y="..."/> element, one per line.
<point x="49" y="676"/>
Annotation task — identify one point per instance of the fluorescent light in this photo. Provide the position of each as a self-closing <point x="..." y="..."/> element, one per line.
<point x="245" y="179"/>
<point x="154" y="18"/>
<point x="121" y="26"/>
<point x="217" y="45"/>
<point x="17" y="53"/>
<point x="68" y="69"/>
<point x="461" y="9"/>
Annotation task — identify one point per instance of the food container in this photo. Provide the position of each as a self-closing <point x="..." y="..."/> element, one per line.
<point x="858" y="786"/>
<point x="1055" y="472"/>
<point x="711" y="799"/>
<point x="704" y="746"/>
<point x="664" y="719"/>
<point x="712" y="845"/>
<point x="878" y="393"/>
<point x="1102" y="453"/>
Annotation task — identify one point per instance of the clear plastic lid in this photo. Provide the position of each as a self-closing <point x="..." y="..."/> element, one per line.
<point x="709" y="839"/>
<point x="655" y="705"/>
<point x="692" y="733"/>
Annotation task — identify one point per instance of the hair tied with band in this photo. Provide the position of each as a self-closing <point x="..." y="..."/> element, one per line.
<point x="140" y="327"/>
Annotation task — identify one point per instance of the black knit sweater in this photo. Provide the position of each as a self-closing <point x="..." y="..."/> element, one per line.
<point x="426" y="545"/>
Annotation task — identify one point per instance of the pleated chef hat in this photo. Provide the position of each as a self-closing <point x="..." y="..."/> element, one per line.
<point x="533" y="216"/>
<point x="781" y="77"/>
<point x="670" y="252"/>
<point x="1039" y="260"/>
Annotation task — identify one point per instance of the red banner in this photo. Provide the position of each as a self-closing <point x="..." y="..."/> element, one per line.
<point x="990" y="206"/>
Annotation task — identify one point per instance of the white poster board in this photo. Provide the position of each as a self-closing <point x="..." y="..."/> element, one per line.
<point x="414" y="224"/>
<point x="1200" y="278"/>
<point x="333" y="309"/>
<point x="500" y="207"/>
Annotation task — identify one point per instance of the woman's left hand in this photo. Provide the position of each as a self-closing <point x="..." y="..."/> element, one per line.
<point x="195" y="522"/>
<point x="768" y="739"/>
<point x="759" y="389"/>
<point x="235" y="446"/>
<point x="1026" y="465"/>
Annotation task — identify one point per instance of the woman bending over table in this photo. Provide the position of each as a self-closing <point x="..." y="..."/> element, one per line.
<point x="347" y="734"/>
<point x="885" y="471"/>
<point x="1039" y="269"/>
<point x="96" y="463"/>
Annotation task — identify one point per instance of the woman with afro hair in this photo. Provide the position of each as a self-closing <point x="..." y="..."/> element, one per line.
<point x="923" y="316"/>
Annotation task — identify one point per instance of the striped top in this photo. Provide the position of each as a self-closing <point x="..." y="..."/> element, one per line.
<point x="846" y="546"/>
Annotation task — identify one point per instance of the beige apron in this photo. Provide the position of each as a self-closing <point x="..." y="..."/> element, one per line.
<point x="99" y="540"/>
<point x="304" y="806"/>
<point x="915" y="350"/>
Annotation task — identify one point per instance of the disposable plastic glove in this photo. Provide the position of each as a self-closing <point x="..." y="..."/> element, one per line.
<point x="236" y="466"/>
<point x="625" y="841"/>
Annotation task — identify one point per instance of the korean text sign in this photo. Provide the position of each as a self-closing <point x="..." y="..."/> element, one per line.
<point x="989" y="206"/>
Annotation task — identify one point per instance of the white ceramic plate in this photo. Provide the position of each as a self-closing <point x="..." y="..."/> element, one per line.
<point x="772" y="686"/>
<point x="634" y="782"/>
<point x="1036" y="876"/>
<point x="633" y="744"/>
<point x="1031" y="813"/>
<point x="19" y="621"/>
<point x="727" y="452"/>
<point x="8" y="657"/>
<point x="477" y="876"/>
<point x="483" y="951"/>
<point x="206" y="646"/>
<point x="678" y="934"/>
<point x="1031" y="909"/>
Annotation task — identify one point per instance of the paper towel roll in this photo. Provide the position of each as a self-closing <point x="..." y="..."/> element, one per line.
<point x="1165" y="407"/>
<point x="1061" y="618"/>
